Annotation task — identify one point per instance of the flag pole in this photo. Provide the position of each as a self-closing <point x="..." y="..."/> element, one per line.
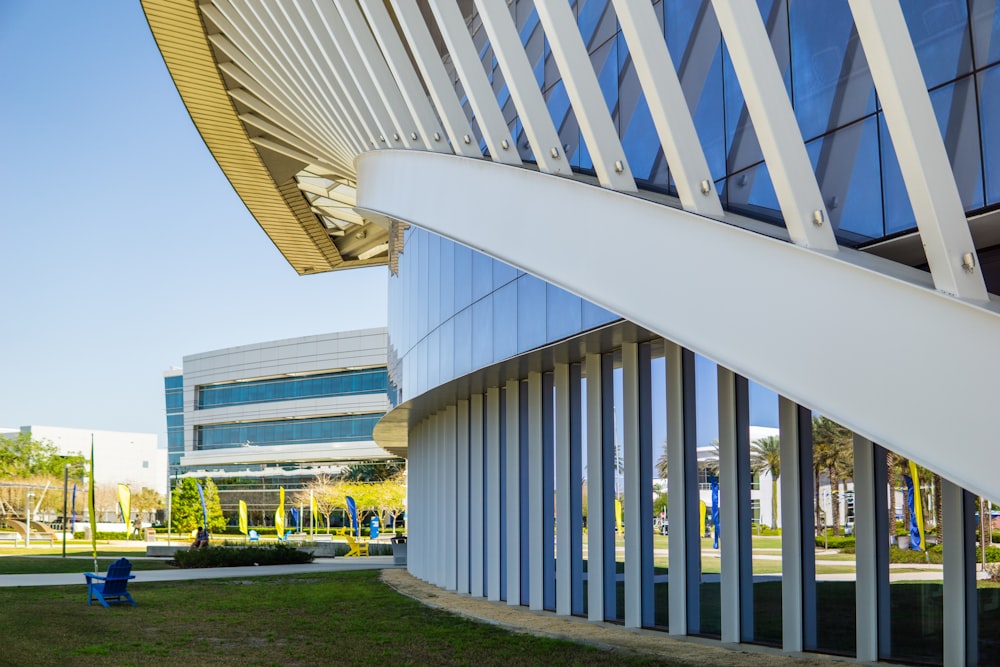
<point x="93" y="511"/>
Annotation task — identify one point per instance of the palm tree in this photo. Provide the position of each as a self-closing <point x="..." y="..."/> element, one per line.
<point x="765" y="456"/>
<point x="661" y="463"/>
<point x="832" y="454"/>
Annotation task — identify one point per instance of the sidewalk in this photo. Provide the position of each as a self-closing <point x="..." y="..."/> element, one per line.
<point x="146" y="576"/>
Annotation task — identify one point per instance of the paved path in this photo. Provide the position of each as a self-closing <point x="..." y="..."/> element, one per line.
<point x="145" y="576"/>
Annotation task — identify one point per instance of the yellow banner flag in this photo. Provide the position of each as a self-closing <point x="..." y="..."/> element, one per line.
<point x="918" y="506"/>
<point x="243" y="517"/>
<point x="313" y="512"/>
<point x="279" y="516"/>
<point x="90" y="504"/>
<point x="125" y="504"/>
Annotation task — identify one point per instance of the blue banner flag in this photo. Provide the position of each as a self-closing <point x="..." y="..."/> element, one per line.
<point x="295" y="519"/>
<point x="715" y="508"/>
<point x="352" y="508"/>
<point x="204" y="510"/>
<point x="73" y="511"/>
<point x="914" y="527"/>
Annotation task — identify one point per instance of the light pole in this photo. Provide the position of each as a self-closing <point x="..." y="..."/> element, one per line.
<point x="27" y="521"/>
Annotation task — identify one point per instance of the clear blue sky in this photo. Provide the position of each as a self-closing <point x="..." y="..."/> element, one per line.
<point x="122" y="245"/>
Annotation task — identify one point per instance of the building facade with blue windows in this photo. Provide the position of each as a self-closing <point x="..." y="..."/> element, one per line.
<point x="624" y="235"/>
<point x="280" y="413"/>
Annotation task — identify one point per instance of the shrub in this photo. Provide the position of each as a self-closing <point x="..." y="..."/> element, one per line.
<point x="271" y="554"/>
<point x="836" y="542"/>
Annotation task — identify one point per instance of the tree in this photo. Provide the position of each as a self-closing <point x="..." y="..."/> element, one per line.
<point x="765" y="456"/>
<point x="147" y="500"/>
<point x="662" y="467"/>
<point x="21" y="457"/>
<point x="833" y="454"/>
<point x="372" y="471"/>
<point x="186" y="514"/>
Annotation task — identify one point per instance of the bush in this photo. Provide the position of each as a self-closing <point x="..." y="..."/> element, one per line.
<point x="276" y="554"/>
<point x="836" y="542"/>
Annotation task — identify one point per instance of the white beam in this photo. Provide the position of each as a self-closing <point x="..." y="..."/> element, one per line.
<point x="585" y="95"/>
<point x="531" y="108"/>
<point x="493" y="464"/>
<point x="673" y="121"/>
<point x="477" y="87"/>
<point x="802" y="205"/>
<point x="923" y="159"/>
<point x="513" y="464"/>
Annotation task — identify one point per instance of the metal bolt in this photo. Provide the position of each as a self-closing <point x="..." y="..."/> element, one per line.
<point x="818" y="217"/>
<point x="619" y="166"/>
<point x="706" y="186"/>
<point x="505" y="144"/>
<point x="467" y="139"/>
<point x="968" y="262"/>
<point x="413" y="135"/>
<point x="395" y="136"/>
<point x="554" y="152"/>
<point x="437" y="136"/>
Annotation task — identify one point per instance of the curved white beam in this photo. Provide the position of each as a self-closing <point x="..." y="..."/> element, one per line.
<point x="865" y="341"/>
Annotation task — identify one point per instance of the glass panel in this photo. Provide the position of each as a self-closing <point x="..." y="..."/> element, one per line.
<point x="562" y="314"/>
<point x="594" y="316"/>
<point x="765" y="460"/>
<point x="530" y="313"/>
<point x="986" y="31"/>
<point x="661" y="524"/>
<point x="989" y="116"/>
<point x="482" y="332"/>
<point x="707" y="428"/>
<point x="463" y="342"/>
<point x="446" y="274"/>
<point x="695" y="45"/>
<point x="916" y="601"/>
<point x="502" y="273"/>
<point x="505" y="322"/>
<point x="833" y="466"/>
<point x="847" y="164"/>
<point x="898" y="212"/>
<point x="638" y="135"/>
<point x="940" y="33"/>
<point x="604" y="60"/>
<point x="564" y="119"/>
<point x="482" y="275"/>
<point x="987" y="589"/>
<point x="955" y="108"/>
<point x="831" y="83"/>
<point x="463" y="276"/>
<point x="751" y="191"/>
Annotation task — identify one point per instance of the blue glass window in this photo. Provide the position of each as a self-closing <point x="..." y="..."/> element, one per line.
<point x="830" y="78"/>
<point x="463" y="276"/>
<point x="482" y="332"/>
<point x="563" y="315"/>
<point x="955" y="108"/>
<point x="346" y="383"/>
<point x="940" y="33"/>
<point x="505" y="322"/>
<point x="463" y="342"/>
<point x="343" y="428"/>
<point x="989" y="99"/>
<point x="986" y="31"/>
<point x="482" y="275"/>
<point x="530" y="313"/>
<point x="846" y="164"/>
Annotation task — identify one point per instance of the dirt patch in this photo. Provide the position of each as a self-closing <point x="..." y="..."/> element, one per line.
<point x="675" y="650"/>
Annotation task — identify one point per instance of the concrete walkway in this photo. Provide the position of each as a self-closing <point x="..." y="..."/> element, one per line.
<point x="145" y="576"/>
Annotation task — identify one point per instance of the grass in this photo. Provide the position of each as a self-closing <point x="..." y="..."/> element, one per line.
<point x="56" y="564"/>
<point x="316" y="619"/>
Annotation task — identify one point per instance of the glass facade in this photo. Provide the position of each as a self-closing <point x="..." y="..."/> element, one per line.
<point x="346" y="383"/>
<point x="173" y="389"/>
<point x="829" y="83"/>
<point x="343" y="428"/>
<point x="453" y="310"/>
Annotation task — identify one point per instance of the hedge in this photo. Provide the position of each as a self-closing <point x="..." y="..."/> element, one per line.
<point x="271" y="554"/>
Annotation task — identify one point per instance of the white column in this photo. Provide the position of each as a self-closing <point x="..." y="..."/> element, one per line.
<point x="960" y="602"/>
<point x="492" y="473"/>
<point x="798" y="578"/>
<point x="735" y="515"/>
<point x="595" y="492"/>
<point x="536" y="467"/>
<point x="451" y="500"/>
<point x="923" y="160"/>
<point x="637" y="429"/>
<point x="685" y="539"/>
<point x="564" y="480"/>
<point x="513" y="464"/>
<point x="866" y="586"/>
<point x="477" y="497"/>
<point x="462" y="504"/>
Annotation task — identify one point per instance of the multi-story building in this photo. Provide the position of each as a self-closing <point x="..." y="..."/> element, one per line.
<point x="258" y="417"/>
<point x="651" y="223"/>
<point x="121" y="457"/>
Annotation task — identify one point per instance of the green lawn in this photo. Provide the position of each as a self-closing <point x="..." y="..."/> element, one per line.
<point x="57" y="564"/>
<point x="314" y="619"/>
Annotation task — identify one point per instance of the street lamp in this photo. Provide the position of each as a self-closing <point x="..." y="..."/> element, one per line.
<point x="27" y="517"/>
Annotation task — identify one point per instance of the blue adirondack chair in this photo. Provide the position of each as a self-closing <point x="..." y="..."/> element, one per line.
<point x="110" y="588"/>
<point x="254" y="536"/>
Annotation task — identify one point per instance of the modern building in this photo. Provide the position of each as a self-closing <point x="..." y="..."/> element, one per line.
<point x="277" y="414"/>
<point x="615" y="221"/>
<point x="133" y="459"/>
